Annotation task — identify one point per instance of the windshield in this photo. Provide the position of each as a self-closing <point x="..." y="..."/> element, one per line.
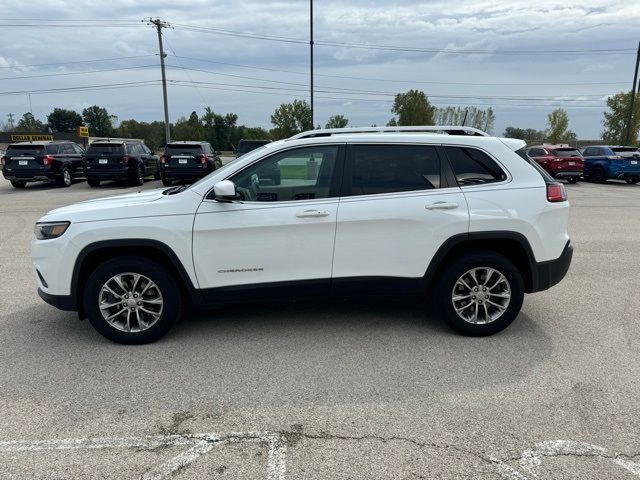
<point x="105" y="148"/>
<point x="26" y="149"/>
<point x="227" y="166"/>
<point x="176" y="149"/>
<point x="566" y="152"/>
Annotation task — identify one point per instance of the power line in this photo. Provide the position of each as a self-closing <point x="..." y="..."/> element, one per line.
<point x="105" y="86"/>
<point x="395" y="80"/>
<point x="62" y="74"/>
<point x="73" y="62"/>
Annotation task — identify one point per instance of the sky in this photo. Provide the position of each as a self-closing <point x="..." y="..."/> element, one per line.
<point x="522" y="58"/>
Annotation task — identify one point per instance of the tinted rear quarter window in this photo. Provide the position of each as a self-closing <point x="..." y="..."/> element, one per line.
<point x="394" y="168"/>
<point x="523" y="154"/>
<point x="473" y="167"/>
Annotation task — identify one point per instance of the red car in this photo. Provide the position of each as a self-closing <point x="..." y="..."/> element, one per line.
<point x="560" y="161"/>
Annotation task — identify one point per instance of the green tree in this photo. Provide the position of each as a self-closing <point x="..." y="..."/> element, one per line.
<point x="412" y="108"/>
<point x="99" y="121"/>
<point x="531" y="135"/>
<point x="63" y="120"/>
<point x="188" y="129"/>
<point x="291" y="118"/>
<point x="471" y="116"/>
<point x="615" y="119"/>
<point x="337" y="121"/>
<point x="558" y="127"/>
<point x="152" y="133"/>
<point x="28" y="123"/>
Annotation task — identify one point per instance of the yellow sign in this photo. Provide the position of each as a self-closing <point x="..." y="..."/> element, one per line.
<point x="31" y="138"/>
<point x="83" y="131"/>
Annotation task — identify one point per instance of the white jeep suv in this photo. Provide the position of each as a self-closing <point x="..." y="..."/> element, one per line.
<point x="445" y="211"/>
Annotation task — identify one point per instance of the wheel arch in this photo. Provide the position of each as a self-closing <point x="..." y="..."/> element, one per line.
<point x="512" y="245"/>
<point x="97" y="253"/>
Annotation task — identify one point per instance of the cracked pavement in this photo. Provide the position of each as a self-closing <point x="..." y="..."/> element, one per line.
<point x="358" y="389"/>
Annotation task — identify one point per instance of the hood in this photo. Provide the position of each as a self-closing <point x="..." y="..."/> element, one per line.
<point x="138" y="204"/>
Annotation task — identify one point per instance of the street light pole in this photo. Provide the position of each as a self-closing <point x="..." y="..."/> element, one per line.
<point x="627" y="137"/>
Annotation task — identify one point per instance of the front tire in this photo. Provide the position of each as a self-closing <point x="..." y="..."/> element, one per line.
<point x="598" y="175"/>
<point x="480" y="293"/>
<point x="138" y="179"/>
<point x="167" y="182"/>
<point x="93" y="182"/>
<point x="132" y="300"/>
<point x="18" y="184"/>
<point x="633" y="180"/>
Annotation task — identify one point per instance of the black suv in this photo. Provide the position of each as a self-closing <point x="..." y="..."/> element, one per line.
<point x="245" y="146"/>
<point x="58" y="160"/>
<point x="188" y="160"/>
<point x="129" y="160"/>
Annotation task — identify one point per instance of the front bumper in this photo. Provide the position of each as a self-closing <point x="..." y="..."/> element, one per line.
<point x="61" y="302"/>
<point x="547" y="274"/>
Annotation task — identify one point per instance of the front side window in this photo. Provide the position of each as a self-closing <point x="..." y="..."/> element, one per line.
<point x="394" y="168"/>
<point x="473" y="167"/>
<point x="299" y="174"/>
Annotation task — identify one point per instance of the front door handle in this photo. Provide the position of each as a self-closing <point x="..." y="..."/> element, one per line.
<point x="441" y="206"/>
<point x="313" y="213"/>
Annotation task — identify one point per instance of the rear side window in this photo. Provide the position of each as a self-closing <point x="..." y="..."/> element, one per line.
<point x="473" y="167"/>
<point x="394" y="168"/>
<point x="625" y="151"/>
<point x="105" y="148"/>
<point x="31" y="150"/>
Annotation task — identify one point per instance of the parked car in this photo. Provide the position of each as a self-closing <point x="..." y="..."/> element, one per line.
<point x="55" y="160"/>
<point x="459" y="215"/>
<point x="246" y="146"/>
<point x="560" y="161"/>
<point x="129" y="160"/>
<point x="188" y="160"/>
<point x="604" y="162"/>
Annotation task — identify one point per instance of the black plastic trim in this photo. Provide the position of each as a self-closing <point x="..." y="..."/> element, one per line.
<point x="61" y="302"/>
<point x="552" y="272"/>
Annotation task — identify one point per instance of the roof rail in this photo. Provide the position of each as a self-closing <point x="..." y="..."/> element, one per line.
<point x="448" y="130"/>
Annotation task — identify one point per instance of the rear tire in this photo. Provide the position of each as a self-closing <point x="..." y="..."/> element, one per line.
<point x="167" y="182"/>
<point x="18" y="184"/>
<point x="93" y="182"/>
<point x="217" y="164"/>
<point x="66" y="179"/>
<point x="598" y="175"/>
<point x="148" y="319"/>
<point x="138" y="179"/>
<point x="573" y="179"/>
<point x="493" y="306"/>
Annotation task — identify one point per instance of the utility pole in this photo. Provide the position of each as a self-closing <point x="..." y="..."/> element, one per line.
<point x="10" y="115"/>
<point x="159" y="24"/>
<point x="627" y="137"/>
<point x="311" y="52"/>
<point x="30" y="107"/>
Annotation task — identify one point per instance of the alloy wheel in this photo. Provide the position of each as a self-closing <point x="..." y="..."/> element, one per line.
<point x="481" y="295"/>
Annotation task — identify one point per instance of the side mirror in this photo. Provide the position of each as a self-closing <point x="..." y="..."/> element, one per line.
<point x="225" y="191"/>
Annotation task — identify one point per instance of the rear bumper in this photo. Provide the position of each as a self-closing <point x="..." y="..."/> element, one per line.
<point x="29" y="175"/>
<point x="185" y="172"/>
<point x="61" y="302"/>
<point x="567" y="174"/>
<point x="123" y="173"/>
<point x="547" y="274"/>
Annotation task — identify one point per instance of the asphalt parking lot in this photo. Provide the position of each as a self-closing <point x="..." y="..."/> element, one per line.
<point x="368" y="389"/>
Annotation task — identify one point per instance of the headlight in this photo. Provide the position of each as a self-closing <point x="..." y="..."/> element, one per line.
<point x="49" y="230"/>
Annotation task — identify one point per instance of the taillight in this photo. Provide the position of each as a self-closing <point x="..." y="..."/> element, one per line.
<point x="162" y="159"/>
<point x="125" y="159"/>
<point x="2" y="160"/>
<point x="47" y="160"/>
<point x="204" y="159"/>
<point x="556" y="192"/>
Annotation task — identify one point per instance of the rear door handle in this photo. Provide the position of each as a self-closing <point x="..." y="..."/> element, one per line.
<point x="313" y="213"/>
<point x="441" y="206"/>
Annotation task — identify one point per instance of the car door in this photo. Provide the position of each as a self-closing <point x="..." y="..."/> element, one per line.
<point x="280" y="233"/>
<point x="76" y="158"/>
<point x="152" y="160"/>
<point x="398" y="208"/>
